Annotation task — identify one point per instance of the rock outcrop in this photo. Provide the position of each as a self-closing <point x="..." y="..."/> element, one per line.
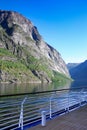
<point x="21" y="38"/>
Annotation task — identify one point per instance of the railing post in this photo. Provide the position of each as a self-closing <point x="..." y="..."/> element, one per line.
<point x="21" y="115"/>
<point x="68" y="101"/>
<point x="80" y="97"/>
<point x="43" y="113"/>
<point x="50" y="107"/>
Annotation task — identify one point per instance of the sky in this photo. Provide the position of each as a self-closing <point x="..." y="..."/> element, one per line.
<point x="62" y="24"/>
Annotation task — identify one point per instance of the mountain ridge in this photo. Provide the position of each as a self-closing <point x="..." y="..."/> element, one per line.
<point x="79" y="73"/>
<point x="72" y="65"/>
<point x="21" y="38"/>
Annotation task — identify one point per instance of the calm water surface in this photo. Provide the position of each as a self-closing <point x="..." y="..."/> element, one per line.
<point x="6" y="89"/>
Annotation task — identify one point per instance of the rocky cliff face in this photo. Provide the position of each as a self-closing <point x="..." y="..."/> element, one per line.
<point x="21" y="38"/>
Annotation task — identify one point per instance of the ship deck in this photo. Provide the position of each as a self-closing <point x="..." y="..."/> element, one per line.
<point x="75" y="120"/>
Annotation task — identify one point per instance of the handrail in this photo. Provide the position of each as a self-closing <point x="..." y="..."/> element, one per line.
<point x="21" y="114"/>
<point x="27" y="110"/>
<point x="40" y="92"/>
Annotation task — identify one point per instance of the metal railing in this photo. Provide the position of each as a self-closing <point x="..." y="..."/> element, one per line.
<point x="17" y="112"/>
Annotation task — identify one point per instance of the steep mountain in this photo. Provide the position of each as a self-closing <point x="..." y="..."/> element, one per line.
<point x="24" y="55"/>
<point x="79" y="73"/>
<point x="72" y="65"/>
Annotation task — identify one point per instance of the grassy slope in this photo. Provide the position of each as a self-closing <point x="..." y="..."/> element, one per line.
<point x="9" y="64"/>
<point x="20" y="70"/>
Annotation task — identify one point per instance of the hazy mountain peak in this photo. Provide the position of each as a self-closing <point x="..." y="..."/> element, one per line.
<point x="79" y="73"/>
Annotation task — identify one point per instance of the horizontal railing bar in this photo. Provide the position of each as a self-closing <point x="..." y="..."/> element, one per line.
<point x="8" y="114"/>
<point x="58" y="90"/>
<point x="11" y="105"/>
<point x="27" y="113"/>
<point x="7" y="127"/>
<point x="32" y="119"/>
<point x="11" y="121"/>
<point x="17" y="112"/>
<point x="41" y="103"/>
<point x="10" y="101"/>
<point x="35" y="102"/>
<point x="31" y="110"/>
<point x="11" y="98"/>
<point x="35" y="105"/>
<point x="32" y="116"/>
<point x="8" y="118"/>
<point x="10" y="109"/>
<point x="37" y="111"/>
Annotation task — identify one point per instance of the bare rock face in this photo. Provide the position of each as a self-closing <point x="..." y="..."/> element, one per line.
<point x="22" y="39"/>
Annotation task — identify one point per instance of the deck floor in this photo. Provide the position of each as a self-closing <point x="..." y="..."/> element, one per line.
<point x="75" y="120"/>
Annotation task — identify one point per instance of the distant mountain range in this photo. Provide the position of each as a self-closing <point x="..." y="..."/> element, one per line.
<point x="78" y="71"/>
<point x="72" y="65"/>
<point x="24" y="55"/>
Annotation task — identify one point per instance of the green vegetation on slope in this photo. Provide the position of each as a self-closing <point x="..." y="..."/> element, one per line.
<point x="5" y="52"/>
<point x="61" y="78"/>
<point x="17" y="71"/>
<point x="28" y="69"/>
<point x="14" y="69"/>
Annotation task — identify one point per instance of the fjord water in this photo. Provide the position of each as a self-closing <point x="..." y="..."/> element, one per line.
<point x="7" y="89"/>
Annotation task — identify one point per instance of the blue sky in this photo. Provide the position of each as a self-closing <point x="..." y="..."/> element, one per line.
<point x="62" y="24"/>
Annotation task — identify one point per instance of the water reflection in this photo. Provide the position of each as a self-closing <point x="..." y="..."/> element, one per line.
<point x="6" y="89"/>
<point x="79" y="84"/>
